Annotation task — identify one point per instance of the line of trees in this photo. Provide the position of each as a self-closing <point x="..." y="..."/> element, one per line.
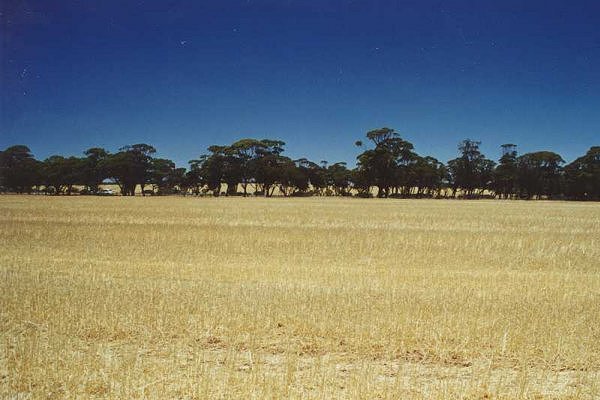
<point x="387" y="166"/>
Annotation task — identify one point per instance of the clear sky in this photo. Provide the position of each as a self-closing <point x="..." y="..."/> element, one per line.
<point x="318" y="74"/>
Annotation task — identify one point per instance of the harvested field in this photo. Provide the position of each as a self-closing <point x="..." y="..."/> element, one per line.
<point x="298" y="298"/>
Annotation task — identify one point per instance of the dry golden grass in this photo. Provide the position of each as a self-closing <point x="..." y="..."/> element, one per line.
<point x="298" y="298"/>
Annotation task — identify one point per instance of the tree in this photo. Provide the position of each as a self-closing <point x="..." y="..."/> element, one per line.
<point x="265" y="166"/>
<point x="384" y="165"/>
<point x="165" y="177"/>
<point x="60" y="173"/>
<point x="93" y="172"/>
<point x="211" y="169"/>
<point x="582" y="176"/>
<point x="389" y="164"/>
<point x="471" y="171"/>
<point x="339" y="177"/>
<point x="54" y="172"/>
<point x="130" y="167"/>
<point x="268" y="172"/>
<point x="314" y="174"/>
<point x="506" y="173"/>
<point x="193" y="178"/>
<point x="119" y="168"/>
<point x="361" y="181"/>
<point x="19" y="170"/>
<point x="246" y="151"/>
<point x="142" y="162"/>
<point x="293" y="177"/>
<point x="427" y="174"/>
<point x="539" y="174"/>
<point x="232" y="169"/>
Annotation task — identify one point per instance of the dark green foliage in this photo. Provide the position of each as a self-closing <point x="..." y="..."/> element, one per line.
<point x="93" y="168"/>
<point x="427" y="175"/>
<point x="582" y="176"/>
<point x="19" y="171"/>
<point x="387" y="165"/>
<point x="506" y="173"/>
<point x="471" y="172"/>
<point x="130" y="167"/>
<point x="165" y="177"/>
<point x="539" y="174"/>
<point x="61" y="174"/>
<point x="390" y="166"/>
<point x="338" y="177"/>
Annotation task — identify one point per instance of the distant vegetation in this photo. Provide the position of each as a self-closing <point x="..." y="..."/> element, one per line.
<point x="387" y="166"/>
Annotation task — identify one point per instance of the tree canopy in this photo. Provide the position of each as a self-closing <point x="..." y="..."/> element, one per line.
<point x="387" y="166"/>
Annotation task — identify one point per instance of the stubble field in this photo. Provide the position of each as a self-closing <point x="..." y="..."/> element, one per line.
<point x="298" y="298"/>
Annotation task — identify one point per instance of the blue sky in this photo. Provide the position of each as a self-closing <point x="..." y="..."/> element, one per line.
<point x="182" y="75"/>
